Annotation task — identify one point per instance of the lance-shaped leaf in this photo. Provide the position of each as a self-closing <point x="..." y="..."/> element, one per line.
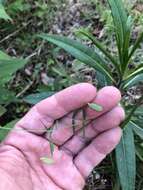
<point x="125" y="159"/>
<point x="120" y="19"/>
<point x="81" y="52"/>
<point x="127" y="43"/>
<point x="122" y="13"/>
<point x="100" y="47"/>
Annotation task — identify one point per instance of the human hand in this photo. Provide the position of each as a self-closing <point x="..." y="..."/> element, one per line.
<point x="75" y="154"/>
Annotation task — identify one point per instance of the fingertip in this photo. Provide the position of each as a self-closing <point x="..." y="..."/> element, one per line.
<point x="107" y="97"/>
<point x="108" y="140"/>
<point x="119" y="112"/>
<point x="115" y="134"/>
<point x="112" y="91"/>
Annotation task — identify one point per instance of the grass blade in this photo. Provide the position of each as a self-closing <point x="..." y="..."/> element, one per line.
<point x="80" y="52"/>
<point x="125" y="158"/>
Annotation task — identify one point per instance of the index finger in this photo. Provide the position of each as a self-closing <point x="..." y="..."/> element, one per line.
<point x="67" y="100"/>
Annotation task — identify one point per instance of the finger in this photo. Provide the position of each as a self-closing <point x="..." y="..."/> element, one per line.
<point x="56" y="106"/>
<point x="107" y="121"/>
<point x="107" y="97"/>
<point x="92" y="155"/>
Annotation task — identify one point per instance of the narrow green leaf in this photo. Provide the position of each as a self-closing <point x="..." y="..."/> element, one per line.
<point x="101" y="48"/>
<point x="132" y="81"/>
<point x="117" y="21"/>
<point x="52" y="147"/>
<point x="134" y="77"/>
<point x="2" y="110"/>
<point x="95" y="107"/>
<point x="120" y="19"/>
<point x="138" y="130"/>
<point x="37" y="97"/>
<point x="125" y="159"/>
<point x="3" y="14"/>
<point x="47" y="160"/>
<point x="136" y="45"/>
<point x="136" y="72"/>
<point x="122" y="12"/>
<point x="81" y="52"/>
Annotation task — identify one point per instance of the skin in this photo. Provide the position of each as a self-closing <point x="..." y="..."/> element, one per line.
<point x="75" y="155"/>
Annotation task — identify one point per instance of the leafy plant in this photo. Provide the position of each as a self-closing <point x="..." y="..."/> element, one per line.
<point x="122" y="77"/>
<point x="8" y="66"/>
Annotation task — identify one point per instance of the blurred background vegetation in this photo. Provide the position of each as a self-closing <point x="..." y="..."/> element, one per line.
<point x="41" y="69"/>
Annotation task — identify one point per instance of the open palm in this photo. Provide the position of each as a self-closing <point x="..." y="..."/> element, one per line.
<point x="76" y="152"/>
